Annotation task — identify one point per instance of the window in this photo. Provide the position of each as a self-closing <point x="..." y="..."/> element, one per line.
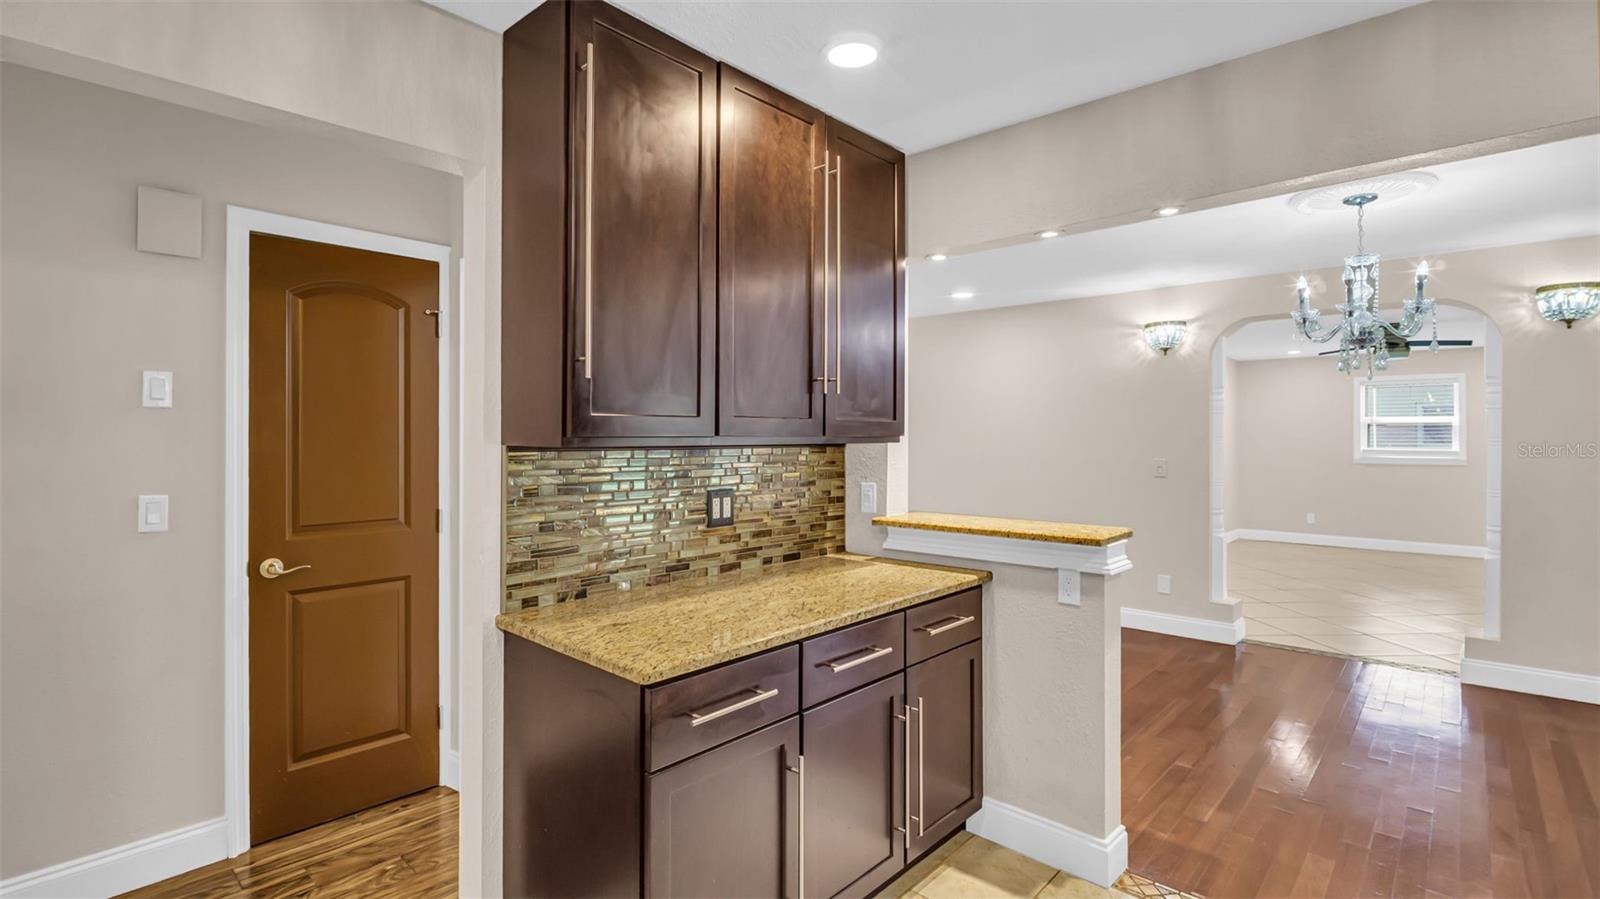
<point x="1410" y="419"/>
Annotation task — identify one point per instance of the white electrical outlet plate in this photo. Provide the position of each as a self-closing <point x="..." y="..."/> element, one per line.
<point x="869" y="497"/>
<point x="1069" y="587"/>
<point x="1161" y="468"/>
<point x="1311" y="518"/>
<point x="157" y="391"/>
<point x="1164" y="583"/>
<point x="153" y="513"/>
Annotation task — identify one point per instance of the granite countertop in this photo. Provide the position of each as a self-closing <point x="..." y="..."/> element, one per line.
<point x="1016" y="528"/>
<point x="657" y="633"/>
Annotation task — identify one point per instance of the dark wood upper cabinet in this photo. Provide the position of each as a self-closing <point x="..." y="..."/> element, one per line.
<point x="679" y="263"/>
<point x="945" y="694"/>
<point x="770" y="277"/>
<point x="867" y="399"/>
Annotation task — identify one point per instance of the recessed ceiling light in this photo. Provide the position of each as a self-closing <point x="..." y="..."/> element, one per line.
<point x="852" y="53"/>
<point x="1169" y="210"/>
<point x="937" y="257"/>
<point x="1046" y="235"/>
<point x="1294" y="352"/>
<point x="962" y="295"/>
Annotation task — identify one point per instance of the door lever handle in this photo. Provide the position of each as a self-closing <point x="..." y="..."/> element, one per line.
<point x="273" y="568"/>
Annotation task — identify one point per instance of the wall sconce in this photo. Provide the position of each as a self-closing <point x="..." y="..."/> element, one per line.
<point x="1164" y="336"/>
<point x="1568" y="303"/>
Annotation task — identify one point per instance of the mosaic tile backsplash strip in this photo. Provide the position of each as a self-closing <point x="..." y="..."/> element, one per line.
<point x="584" y="522"/>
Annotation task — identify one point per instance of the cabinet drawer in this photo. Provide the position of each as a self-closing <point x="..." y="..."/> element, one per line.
<point x="943" y="624"/>
<point x="703" y="710"/>
<point x="836" y="663"/>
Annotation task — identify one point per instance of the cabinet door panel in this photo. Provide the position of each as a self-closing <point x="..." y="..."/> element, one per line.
<point x="643" y="304"/>
<point x="946" y="697"/>
<point x="770" y="272"/>
<point x="868" y="349"/>
<point x="855" y="791"/>
<point x="724" y="824"/>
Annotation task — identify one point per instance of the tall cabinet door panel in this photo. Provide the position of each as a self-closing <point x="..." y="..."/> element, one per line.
<point x="945" y="694"/>
<point x="868" y="352"/>
<point x="643" y="164"/>
<point x="770" y="251"/>
<point x="855" y="791"/>
<point x="725" y="823"/>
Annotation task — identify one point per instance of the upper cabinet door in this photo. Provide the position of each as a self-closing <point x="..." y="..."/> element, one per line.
<point x="643" y="165"/>
<point x="770" y="298"/>
<point x="869" y="288"/>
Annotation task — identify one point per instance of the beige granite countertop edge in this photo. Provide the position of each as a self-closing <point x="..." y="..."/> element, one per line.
<point x="1019" y="529"/>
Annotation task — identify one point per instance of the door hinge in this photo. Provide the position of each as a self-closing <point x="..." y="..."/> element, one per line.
<point x="435" y="315"/>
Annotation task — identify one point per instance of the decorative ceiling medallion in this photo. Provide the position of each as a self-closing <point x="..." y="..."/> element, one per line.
<point x="1394" y="188"/>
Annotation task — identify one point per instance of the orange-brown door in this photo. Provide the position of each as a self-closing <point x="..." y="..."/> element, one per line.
<point x="344" y="644"/>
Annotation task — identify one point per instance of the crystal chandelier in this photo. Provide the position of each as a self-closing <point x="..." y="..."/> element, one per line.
<point x="1365" y="339"/>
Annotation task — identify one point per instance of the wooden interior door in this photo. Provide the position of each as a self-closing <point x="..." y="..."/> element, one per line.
<point x="344" y="671"/>
<point x="855" y="791"/>
<point x="770" y="262"/>
<point x="946" y="697"/>
<point x="645" y="185"/>
<point x="724" y="825"/>
<point x="869" y="287"/>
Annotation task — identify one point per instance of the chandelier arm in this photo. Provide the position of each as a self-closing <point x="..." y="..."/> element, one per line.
<point x="1321" y="336"/>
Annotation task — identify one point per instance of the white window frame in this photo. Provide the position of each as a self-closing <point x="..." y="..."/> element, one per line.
<point x="1456" y="455"/>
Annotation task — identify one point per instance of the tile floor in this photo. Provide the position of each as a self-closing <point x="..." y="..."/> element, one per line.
<point x="969" y="867"/>
<point x="1399" y="608"/>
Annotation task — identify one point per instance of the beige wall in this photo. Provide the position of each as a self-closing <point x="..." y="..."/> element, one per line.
<point x="1430" y="83"/>
<point x="1293" y="453"/>
<point x="111" y="642"/>
<point x="1057" y="410"/>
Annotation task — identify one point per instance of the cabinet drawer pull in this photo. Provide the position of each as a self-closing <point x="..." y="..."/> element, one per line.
<point x="867" y="655"/>
<point x="945" y="624"/>
<point x="756" y="696"/>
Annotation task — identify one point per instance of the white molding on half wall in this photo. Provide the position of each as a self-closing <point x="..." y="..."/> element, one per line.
<point x="1538" y="681"/>
<point x="1393" y="546"/>
<point x="1100" y="860"/>
<point x="1207" y="629"/>
<point x="126" y="867"/>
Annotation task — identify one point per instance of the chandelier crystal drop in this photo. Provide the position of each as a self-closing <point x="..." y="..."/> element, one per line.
<point x="1365" y="339"/>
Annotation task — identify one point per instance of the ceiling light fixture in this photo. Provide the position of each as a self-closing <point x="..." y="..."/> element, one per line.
<point x="1165" y="336"/>
<point x="962" y="295"/>
<point x="1568" y="303"/>
<point x="937" y="257"/>
<point x="1365" y="339"/>
<point x="1047" y="234"/>
<point x="852" y="53"/>
<point x="1169" y="210"/>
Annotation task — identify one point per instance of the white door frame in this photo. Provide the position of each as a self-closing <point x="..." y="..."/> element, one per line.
<point x="236" y="532"/>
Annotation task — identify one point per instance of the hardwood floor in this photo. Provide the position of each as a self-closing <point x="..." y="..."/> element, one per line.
<point x="405" y="848"/>
<point x="1253" y="771"/>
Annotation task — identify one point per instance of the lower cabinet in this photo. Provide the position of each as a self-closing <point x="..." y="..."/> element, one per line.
<point x="855" y="780"/>
<point x="945" y="704"/>
<point x="726" y="823"/>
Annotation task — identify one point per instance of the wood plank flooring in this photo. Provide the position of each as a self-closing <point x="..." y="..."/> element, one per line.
<point x="405" y="848"/>
<point x="1254" y="771"/>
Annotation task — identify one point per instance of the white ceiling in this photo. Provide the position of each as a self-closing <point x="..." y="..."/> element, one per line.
<point x="949" y="70"/>
<point x="1264" y="340"/>
<point x="1547" y="192"/>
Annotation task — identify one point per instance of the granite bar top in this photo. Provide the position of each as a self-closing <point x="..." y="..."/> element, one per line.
<point x="1016" y="528"/>
<point x="654" y="634"/>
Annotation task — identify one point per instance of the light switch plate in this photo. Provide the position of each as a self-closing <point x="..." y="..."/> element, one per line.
<point x="1164" y="583"/>
<point x="153" y="513"/>
<point x="869" y="497"/>
<point x="157" y="392"/>
<point x="1311" y="518"/>
<point x="1161" y="468"/>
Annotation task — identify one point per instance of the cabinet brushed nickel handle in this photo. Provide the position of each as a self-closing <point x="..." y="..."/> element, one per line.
<point x="825" y="229"/>
<point x="945" y="624"/>
<point x="756" y="696"/>
<point x="838" y="278"/>
<point x="867" y="655"/>
<point x="922" y="811"/>
<point x="905" y="716"/>
<point x="273" y="568"/>
<point x="588" y="212"/>
<point x="802" y="888"/>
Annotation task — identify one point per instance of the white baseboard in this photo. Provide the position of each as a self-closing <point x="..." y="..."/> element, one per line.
<point x="1538" y="681"/>
<point x="1098" y="859"/>
<point x="1393" y="546"/>
<point x="450" y="771"/>
<point x="126" y="867"/>
<point x="1229" y="632"/>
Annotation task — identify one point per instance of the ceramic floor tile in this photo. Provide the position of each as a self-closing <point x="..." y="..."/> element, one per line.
<point x="1290" y="640"/>
<point x="1268" y="611"/>
<point x="1432" y="644"/>
<point x="982" y="870"/>
<point x="1065" y="886"/>
<point x="1370" y="624"/>
<point x="1424" y="624"/>
<point x="1256" y="627"/>
<point x="1321" y="609"/>
<point x="1363" y="645"/>
<point x="1316" y="627"/>
<point x="916" y="875"/>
